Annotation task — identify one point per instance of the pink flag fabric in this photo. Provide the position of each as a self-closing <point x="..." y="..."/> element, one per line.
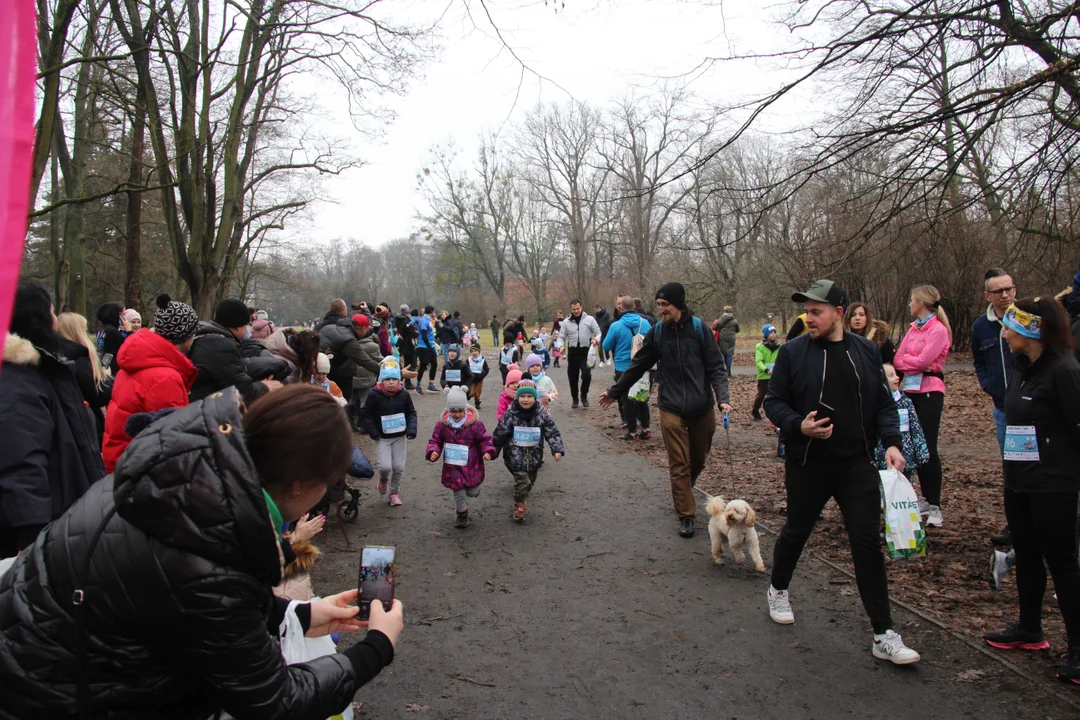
<point x="18" y="69"/>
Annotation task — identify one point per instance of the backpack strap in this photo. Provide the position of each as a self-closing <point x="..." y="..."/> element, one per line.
<point x="658" y="328"/>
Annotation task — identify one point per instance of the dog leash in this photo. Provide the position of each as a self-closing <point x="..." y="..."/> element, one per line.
<point x="730" y="457"/>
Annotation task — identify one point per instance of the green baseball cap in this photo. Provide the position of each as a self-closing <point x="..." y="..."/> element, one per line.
<point x="823" y="291"/>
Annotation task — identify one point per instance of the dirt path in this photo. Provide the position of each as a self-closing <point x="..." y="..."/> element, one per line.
<point x="596" y="608"/>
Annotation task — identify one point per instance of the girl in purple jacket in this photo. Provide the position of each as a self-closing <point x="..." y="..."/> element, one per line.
<point x="463" y="441"/>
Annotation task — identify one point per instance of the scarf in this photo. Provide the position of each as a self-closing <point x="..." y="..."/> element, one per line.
<point x="772" y="345"/>
<point x="324" y="385"/>
<point x="920" y="323"/>
<point x="457" y="425"/>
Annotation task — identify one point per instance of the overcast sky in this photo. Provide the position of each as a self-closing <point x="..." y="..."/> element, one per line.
<point x="593" y="50"/>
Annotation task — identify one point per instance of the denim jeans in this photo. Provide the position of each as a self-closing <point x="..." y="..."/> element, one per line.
<point x="728" y="359"/>
<point x="999" y="426"/>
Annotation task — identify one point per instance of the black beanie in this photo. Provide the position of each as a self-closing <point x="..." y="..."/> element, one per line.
<point x="674" y="293"/>
<point x="232" y="313"/>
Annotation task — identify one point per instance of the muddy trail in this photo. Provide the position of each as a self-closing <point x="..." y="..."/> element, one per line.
<point x="595" y="607"/>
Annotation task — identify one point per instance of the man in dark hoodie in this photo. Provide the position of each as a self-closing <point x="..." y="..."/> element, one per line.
<point x="216" y="354"/>
<point x="603" y="319"/>
<point x="693" y="380"/>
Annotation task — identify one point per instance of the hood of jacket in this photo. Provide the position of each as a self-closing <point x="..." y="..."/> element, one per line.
<point x="211" y="328"/>
<point x="724" y="320"/>
<point x="188" y="481"/>
<point x="278" y="343"/>
<point x="633" y="322"/>
<point x="145" y="350"/>
<point x="19" y="351"/>
<point x="471" y="416"/>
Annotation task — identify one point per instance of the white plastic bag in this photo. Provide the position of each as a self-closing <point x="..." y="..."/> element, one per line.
<point x="296" y="648"/>
<point x="903" y="526"/>
<point x="593" y="357"/>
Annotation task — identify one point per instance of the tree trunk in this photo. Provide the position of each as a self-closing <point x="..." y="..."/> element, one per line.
<point x="133" y="229"/>
<point x="56" y="218"/>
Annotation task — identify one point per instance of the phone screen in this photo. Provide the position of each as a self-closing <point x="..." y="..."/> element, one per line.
<point x="378" y="574"/>
<point x="824" y="412"/>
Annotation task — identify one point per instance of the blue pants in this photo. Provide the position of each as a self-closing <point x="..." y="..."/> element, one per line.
<point x="728" y="359"/>
<point x="999" y="426"/>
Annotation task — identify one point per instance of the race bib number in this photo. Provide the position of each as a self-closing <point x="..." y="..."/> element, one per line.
<point x="454" y="454"/>
<point x="1021" y="443"/>
<point x="476" y="366"/>
<point x="905" y="420"/>
<point x="526" y="436"/>
<point x="392" y="424"/>
<point x="453" y="376"/>
<point x="505" y="358"/>
<point x="912" y="383"/>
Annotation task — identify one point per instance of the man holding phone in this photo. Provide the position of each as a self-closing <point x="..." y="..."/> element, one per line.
<point x="829" y="397"/>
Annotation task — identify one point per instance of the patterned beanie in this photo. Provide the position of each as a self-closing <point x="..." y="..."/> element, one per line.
<point x="527" y="387"/>
<point x="173" y="320"/>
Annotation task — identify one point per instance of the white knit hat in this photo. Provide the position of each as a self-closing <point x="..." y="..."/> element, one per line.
<point x="322" y="364"/>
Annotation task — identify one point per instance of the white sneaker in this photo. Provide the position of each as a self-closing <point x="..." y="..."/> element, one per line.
<point x="934" y="519"/>
<point x="780" y="607"/>
<point x="892" y="648"/>
<point x="924" y="507"/>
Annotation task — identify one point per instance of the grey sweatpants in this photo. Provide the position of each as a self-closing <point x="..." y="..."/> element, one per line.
<point x="461" y="498"/>
<point x="392" y="458"/>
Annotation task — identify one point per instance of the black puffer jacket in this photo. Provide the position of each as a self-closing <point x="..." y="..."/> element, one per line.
<point x="177" y="597"/>
<point x="49" y="453"/>
<point x="338" y="340"/>
<point x="216" y="355"/>
<point x="260" y="363"/>
<point x="96" y="398"/>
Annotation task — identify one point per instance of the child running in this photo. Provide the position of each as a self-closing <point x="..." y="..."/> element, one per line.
<point x="319" y="377"/>
<point x="455" y="371"/>
<point x="390" y="419"/>
<point x="509" y="393"/>
<point x="463" y="441"/>
<point x="522" y="431"/>
<point x="534" y="370"/>
<point x="478" y="367"/>
<point x="508" y="355"/>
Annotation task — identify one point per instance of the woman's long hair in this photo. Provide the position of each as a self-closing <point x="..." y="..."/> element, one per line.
<point x="929" y="296"/>
<point x="73" y="327"/>
<point x="868" y="328"/>
<point x="32" y="318"/>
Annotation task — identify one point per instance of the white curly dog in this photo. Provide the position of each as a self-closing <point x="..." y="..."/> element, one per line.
<point x="735" y="521"/>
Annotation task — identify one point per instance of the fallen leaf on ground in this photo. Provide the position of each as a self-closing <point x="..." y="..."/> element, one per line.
<point x="970" y="675"/>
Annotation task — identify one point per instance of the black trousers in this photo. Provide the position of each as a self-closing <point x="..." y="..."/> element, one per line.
<point x="427" y="359"/>
<point x="855" y="485"/>
<point x="632" y="411"/>
<point x="577" y="362"/>
<point x="928" y="406"/>
<point x="1043" y="530"/>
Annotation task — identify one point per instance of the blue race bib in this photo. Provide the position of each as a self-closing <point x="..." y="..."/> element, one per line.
<point x="392" y="424"/>
<point x="905" y="420"/>
<point x="526" y="436"/>
<point x="1021" y="443"/>
<point x="453" y="376"/>
<point x="476" y="366"/>
<point x="454" y="454"/>
<point x="912" y="383"/>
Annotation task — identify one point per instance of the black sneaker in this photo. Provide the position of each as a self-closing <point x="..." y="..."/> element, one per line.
<point x="1016" y="638"/>
<point x="644" y="435"/>
<point x="1002" y="539"/>
<point x="628" y="436"/>
<point x="462" y="519"/>
<point x="573" y="405"/>
<point x="584" y="402"/>
<point x="756" y="415"/>
<point x="686" y="527"/>
<point x="1070" y="669"/>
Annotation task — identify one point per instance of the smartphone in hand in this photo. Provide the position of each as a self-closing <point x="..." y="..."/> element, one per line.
<point x="824" y="412"/>
<point x="378" y="575"/>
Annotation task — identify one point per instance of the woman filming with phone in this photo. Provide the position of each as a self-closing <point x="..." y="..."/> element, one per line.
<point x="151" y="596"/>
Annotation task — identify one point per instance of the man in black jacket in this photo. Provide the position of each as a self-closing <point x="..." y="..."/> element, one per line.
<point x="692" y="382"/>
<point x="829" y="397"/>
<point x="216" y="354"/>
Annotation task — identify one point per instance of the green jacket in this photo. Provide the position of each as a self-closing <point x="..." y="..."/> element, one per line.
<point x="765" y="358"/>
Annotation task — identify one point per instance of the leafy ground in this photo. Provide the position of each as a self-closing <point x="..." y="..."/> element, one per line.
<point x="950" y="584"/>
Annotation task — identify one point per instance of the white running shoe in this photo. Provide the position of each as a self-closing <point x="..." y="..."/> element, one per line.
<point x="999" y="568"/>
<point x="892" y="648"/>
<point x="934" y="519"/>
<point x="924" y="507"/>
<point x="780" y="607"/>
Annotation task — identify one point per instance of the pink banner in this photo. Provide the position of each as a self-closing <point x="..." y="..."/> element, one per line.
<point x="18" y="68"/>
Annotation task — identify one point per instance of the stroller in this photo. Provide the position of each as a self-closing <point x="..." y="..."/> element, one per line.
<point x="349" y="507"/>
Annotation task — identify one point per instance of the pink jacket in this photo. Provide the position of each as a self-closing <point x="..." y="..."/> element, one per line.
<point x="505" y="400"/>
<point x="923" y="350"/>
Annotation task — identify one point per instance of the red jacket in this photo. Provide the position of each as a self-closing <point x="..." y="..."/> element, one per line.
<point x="153" y="375"/>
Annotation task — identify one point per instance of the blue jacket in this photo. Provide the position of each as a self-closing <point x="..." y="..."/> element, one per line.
<point x="991" y="356"/>
<point x="427" y="333"/>
<point x="620" y="337"/>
